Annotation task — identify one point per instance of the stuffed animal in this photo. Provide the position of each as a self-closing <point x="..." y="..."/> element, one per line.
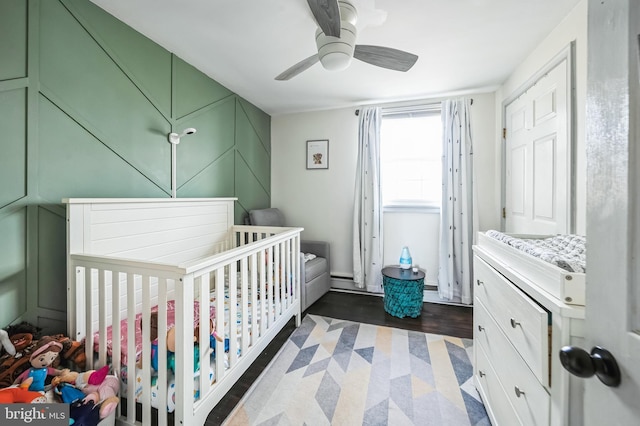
<point x="22" y="394"/>
<point x="5" y="343"/>
<point x="96" y="385"/>
<point x="41" y="359"/>
<point x="14" y="394"/>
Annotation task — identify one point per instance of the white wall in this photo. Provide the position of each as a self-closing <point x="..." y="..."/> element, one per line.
<point x="572" y="28"/>
<point x="319" y="200"/>
<point x="322" y="200"/>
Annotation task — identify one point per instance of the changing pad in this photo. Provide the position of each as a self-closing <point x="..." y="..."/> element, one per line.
<point x="565" y="251"/>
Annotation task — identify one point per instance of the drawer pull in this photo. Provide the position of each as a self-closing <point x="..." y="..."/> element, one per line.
<point x="481" y="373"/>
<point x="519" y="392"/>
<point x="480" y="328"/>
<point x="514" y="323"/>
<point x="479" y="282"/>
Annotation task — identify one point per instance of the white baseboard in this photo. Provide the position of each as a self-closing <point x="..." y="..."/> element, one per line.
<point x="346" y="285"/>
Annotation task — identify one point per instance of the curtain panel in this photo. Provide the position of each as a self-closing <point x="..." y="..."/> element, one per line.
<point x="367" y="217"/>
<point x="457" y="217"/>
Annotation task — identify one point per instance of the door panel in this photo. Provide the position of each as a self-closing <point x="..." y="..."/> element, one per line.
<point x="537" y="157"/>
<point x="613" y="209"/>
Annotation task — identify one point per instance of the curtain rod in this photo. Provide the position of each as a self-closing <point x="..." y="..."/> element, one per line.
<point x="358" y="111"/>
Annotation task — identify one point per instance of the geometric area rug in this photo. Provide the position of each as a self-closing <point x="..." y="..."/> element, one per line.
<point x="337" y="372"/>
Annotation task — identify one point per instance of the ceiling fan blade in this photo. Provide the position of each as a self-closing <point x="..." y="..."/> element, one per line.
<point x="298" y="68"/>
<point x="385" y="57"/>
<point x="327" y="14"/>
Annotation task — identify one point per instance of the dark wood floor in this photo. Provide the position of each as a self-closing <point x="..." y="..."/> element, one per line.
<point x="435" y="318"/>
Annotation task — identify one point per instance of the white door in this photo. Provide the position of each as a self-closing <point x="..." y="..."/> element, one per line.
<point x="613" y="209"/>
<point x="538" y="157"/>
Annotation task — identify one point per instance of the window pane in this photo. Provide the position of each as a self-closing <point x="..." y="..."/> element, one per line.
<point x="411" y="159"/>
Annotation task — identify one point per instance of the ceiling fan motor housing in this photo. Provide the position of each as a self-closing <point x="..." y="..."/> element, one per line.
<point x="335" y="53"/>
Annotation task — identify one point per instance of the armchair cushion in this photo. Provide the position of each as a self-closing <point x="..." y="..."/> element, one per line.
<point x="314" y="268"/>
<point x="266" y="217"/>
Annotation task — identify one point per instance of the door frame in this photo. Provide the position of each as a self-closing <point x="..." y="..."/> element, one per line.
<point x="566" y="54"/>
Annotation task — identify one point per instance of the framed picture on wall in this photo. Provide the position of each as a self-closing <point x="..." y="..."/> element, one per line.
<point x="318" y="154"/>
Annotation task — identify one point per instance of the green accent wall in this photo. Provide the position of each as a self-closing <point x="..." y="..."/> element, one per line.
<point x="86" y="105"/>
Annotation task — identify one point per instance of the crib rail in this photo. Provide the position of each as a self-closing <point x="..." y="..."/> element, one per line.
<point x="258" y="276"/>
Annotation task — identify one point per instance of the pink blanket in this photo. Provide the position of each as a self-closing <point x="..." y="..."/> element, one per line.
<point x="171" y="315"/>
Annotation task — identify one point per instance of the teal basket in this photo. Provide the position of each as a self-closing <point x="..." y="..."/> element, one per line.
<point x="403" y="298"/>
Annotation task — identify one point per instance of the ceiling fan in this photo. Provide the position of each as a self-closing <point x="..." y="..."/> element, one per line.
<point x="336" y="42"/>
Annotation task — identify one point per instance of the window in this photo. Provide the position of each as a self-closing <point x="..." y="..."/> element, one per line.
<point x="411" y="157"/>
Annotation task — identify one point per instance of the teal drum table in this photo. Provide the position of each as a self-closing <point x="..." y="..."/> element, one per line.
<point x="403" y="291"/>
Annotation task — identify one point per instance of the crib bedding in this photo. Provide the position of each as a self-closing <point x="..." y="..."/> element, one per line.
<point x="567" y="252"/>
<point x="171" y="323"/>
<point x="139" y="388"/>
<point x="171" y="314"/>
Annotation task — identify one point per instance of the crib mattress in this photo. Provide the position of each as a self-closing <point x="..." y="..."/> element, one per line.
<point x="516" y="255"/>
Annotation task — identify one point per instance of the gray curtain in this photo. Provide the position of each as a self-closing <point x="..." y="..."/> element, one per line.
<point x="457" y="217"/>
<point x="367" y="216"/>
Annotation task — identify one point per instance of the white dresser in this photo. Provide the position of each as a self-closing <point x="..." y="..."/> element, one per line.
<point x="519" y="328"/>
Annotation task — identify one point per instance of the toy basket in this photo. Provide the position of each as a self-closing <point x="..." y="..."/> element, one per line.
<point x="403" y="298"/>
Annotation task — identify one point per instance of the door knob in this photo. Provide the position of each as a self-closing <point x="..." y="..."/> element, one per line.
<point x="600" y="362"/>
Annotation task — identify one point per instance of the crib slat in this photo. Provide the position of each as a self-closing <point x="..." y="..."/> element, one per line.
<point x="204" y="354"/>
<point x="114" y="277"/>
<point x="88" y="312"/>
<point x="184" y="348"/>
<point x="286" y="278"/>
<point x="162" y="353"/>
<point x="145" y="357"/>
<point x="131" y="344"/>
<point x="277" y="308"/>
<point x="266" y="289"/>
<point x="244" y="314"/>
<point x="233" y="314"/>
<point x="102" y="318"/>
<point x="220" y="285"/>
<point x="253" y="289"/>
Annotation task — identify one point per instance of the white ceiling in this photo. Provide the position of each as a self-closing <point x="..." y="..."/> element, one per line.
<point x="464" y="46"/>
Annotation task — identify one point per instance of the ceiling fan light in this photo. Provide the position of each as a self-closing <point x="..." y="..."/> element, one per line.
<point x="335" y="61"/>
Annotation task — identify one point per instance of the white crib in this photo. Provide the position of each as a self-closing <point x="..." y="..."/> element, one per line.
<point x="129" y="257"/>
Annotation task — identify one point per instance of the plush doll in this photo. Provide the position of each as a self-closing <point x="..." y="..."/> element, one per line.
<point x="41" y="359"/>
<point x="67" y="393"/>
<point x="5" y="343"/>
<point x="22" y="394"/>
<point x="80" y="380"/>
<point x="96" y="385"/>
<point x="171" y="348"/>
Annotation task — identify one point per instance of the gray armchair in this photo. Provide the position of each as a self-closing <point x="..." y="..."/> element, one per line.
<point x="315" y="279"/>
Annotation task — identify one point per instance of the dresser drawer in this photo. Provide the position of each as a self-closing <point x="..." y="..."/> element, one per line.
<point x="498" y="405"/>
<point x="526" y="394"/>
<point x="522" y="320"/>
